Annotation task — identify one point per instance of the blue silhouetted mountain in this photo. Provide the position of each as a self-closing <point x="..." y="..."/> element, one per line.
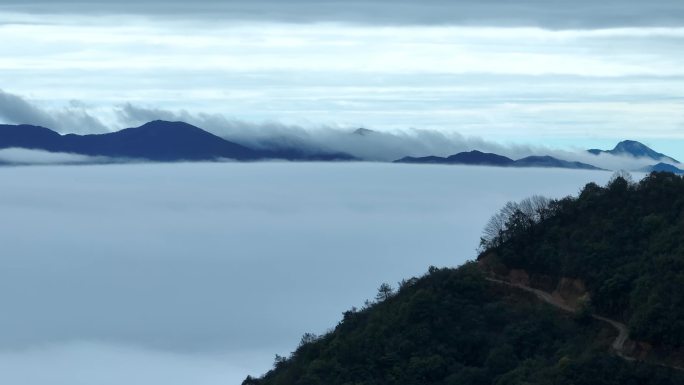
<point x="549" y="161"/>
<point x="479" y="158"/>
<point x="488" y="159"/>
<point x="157" y="141"/>
<point x="663" y="167"/>
<point x="160" y="141"/>
<point x="363" y="131"/>
<point x="423" y="160"/>
<point x="635" y="149"/>
<point x="32" y="137"/>
<point x="471" y="158"/>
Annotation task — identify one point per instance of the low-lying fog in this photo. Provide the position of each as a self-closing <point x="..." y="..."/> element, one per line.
<point x="200" y="273"/>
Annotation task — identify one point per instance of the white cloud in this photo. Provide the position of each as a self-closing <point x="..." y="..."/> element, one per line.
<point x="385" y="145"/>
<point x="272" y="47"/>
<point x="35" y="157"/>
<point x="164" y="269"/>
<point x="88" y="363"/>
<point x="515" y="84"/>
<point x="381" y="145"/>
<point x="73" y="117"/>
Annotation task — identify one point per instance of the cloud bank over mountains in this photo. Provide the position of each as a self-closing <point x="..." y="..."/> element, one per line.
<point x="368" y="144"/>
<point x="361" y="143"/>
<point x="72" y="119"/>
<point x="524" y="84"/>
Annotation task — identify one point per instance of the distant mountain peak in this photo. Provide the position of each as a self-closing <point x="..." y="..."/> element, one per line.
<point x="476" y="157"/>
<point x="28" y="136"/>
<point x="166" y="124"/>
<point x="168" y="127"/>
<point x="550" y="161"/>
<point x="663" y="167"/>
<point x="158" y="140"/>
<point x="363" y="131"/>
<point x="635" y="149"/>
<point x="480" y="158"/>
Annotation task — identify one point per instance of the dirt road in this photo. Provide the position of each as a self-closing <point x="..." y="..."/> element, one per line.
<point x="618" y="344"/>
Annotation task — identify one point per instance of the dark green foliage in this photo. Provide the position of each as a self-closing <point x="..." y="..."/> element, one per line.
<point x="453" y="327"/>
<point x="626" y="241"/>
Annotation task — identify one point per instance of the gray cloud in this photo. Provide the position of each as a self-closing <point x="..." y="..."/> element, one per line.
<point x="72" y="118"/>
<point x="88" y="363"/>
<point x="25" y="156"/>
<point x="544" y="13"/>
<point x="15" y="109"/>
<point x="373" y="145"/>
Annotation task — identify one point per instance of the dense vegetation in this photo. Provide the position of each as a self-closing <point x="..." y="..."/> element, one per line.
<point x="625" y="240"/>
<point x="452" y="326"/>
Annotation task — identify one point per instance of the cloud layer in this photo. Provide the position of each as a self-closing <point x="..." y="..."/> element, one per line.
<point x="384" y="145"/>
<point x="91" y="363"/>
<point x="208" y="270"/>
<point x="23" y="156"/>
<point x="71" y="119"/>
<point x="368" y="145"/>
<point x="586" y="88"/>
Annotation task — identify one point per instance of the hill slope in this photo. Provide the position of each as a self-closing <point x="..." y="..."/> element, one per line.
<point x="451" y="327"/>
<point x="616" y="251"/>
<point x="624" y="243"/>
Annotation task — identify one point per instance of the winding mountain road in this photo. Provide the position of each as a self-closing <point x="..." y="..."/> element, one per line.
<point x="618" y="344"/>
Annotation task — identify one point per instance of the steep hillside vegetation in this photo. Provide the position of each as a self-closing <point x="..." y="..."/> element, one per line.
<point x="625" y="241"/>
<point x="618" y="246"/>
<point x="451" y="327"/>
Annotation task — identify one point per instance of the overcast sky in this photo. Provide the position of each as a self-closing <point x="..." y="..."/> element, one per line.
<point x="546" y="73"/>
<point x="153" y="272"/>
<point x="554" y="14"/>
<point x="580" y="74"/>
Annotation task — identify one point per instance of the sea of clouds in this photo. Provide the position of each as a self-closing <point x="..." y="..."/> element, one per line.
<point x="382" y="145"/>
<point x="200" y="273"/>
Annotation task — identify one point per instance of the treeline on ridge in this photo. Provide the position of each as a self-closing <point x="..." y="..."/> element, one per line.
<point x="624" y="240"/>
<point x="452" y="326"/>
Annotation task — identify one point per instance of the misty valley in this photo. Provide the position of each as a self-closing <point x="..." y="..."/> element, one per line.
<point x="214" y="268"/>
<point x="361" y="192"/>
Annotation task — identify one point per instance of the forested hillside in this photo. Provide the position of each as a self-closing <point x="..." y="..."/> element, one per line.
<point x="625" y="241"/>
<point x="453" y="326"/>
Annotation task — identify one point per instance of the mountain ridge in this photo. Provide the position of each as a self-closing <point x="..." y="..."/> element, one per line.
<point x="156" y="141"/>
<point x="166" y="141"/>
<point x="635" y="149"/>
<point x="479" y="158"/>
<point x="663" y="167"/>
